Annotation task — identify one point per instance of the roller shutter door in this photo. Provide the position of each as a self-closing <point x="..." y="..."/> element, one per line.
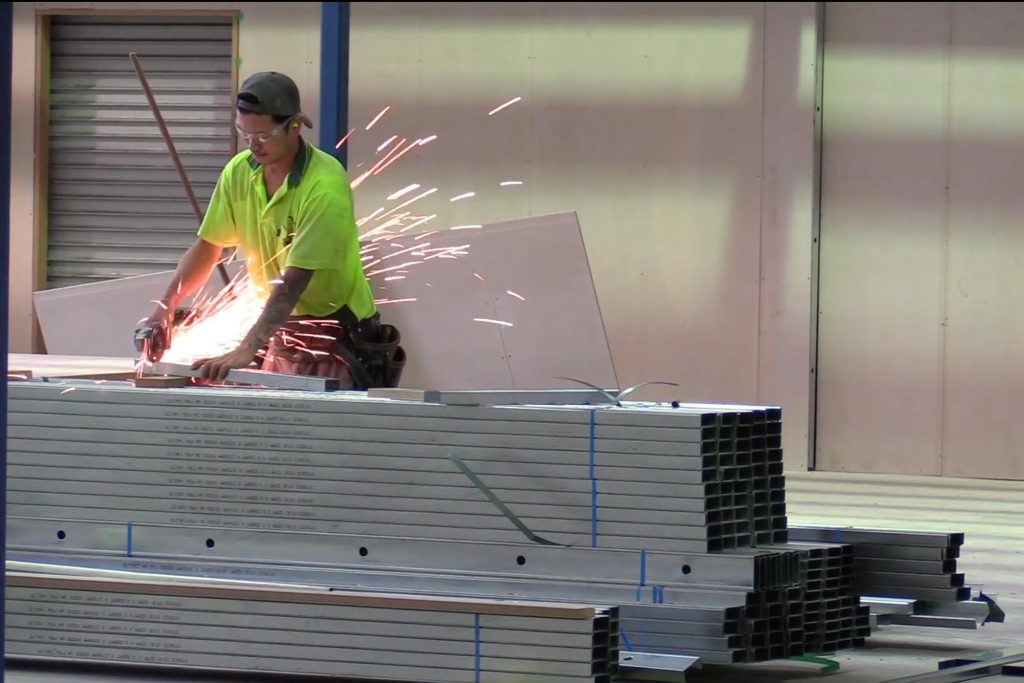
<point x="116" y="206"/>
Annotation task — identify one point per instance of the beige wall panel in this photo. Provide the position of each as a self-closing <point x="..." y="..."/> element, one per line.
<point x="644" y="119"/>
<point x="784" y="350"/>
<point x="882" y="258"/>
<point x="985" y="330"/>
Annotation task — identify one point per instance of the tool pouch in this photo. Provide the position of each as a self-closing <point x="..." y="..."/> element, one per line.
<point x="378" y="349"/>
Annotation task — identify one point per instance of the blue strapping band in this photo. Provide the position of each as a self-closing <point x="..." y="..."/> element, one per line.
<point x="129" y="542"/>
<point x="593" y="479"/>
<point x="476" y="648"/>
<point x="625" y="639"/>
<point x="643" y="567"/>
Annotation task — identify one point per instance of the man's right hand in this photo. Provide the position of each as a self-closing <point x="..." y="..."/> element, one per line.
<point x="153" y="335"/>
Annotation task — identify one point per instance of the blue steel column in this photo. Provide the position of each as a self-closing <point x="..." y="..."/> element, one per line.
<point x="334" y="25"/>
<point x="6" y="10"/>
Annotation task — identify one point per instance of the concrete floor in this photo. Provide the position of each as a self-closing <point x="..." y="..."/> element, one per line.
<point x="990" y="513"/>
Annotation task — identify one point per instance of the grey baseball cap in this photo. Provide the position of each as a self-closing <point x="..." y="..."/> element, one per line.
<point x="273" y="93"/>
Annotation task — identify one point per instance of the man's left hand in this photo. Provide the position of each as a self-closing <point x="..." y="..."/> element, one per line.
<point x="217" y="369"/>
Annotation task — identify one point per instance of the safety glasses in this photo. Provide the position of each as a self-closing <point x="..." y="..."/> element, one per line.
<point x="263" y="136"/>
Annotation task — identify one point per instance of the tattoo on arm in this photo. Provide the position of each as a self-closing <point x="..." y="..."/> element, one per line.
<point x="278" y="307"/>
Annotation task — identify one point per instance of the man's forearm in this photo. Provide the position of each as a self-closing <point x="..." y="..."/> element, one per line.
<point x="278" y="308"/>
<point x="192" y="272"/>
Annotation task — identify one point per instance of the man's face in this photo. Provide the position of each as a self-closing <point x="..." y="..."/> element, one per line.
<point x="268" y="141"/>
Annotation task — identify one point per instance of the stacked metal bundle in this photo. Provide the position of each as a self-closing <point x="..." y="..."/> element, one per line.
<point x="750" y="470"/>
<point x="609" y="506"/>
<point x="752" y="598"/>
<point x="834" y="619"/>
<point x="153" y="620"/>
<point x="644" y="477"/>
<point x="897" y="563"/>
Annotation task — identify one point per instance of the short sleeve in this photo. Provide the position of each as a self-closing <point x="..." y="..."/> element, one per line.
<point x="218" y="226"/>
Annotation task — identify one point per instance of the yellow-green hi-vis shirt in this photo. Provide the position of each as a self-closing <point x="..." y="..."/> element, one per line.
<point x="308" y="223"/>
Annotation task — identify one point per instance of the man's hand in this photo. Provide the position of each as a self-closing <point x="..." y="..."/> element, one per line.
<point x="216" y="369"/>
<point x="153" y="335"/>
<point x="275" y="313"/>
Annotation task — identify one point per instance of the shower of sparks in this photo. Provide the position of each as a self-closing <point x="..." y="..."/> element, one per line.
<point x="493" y="322"/>
<point x="418" y="197"/>
<point x="506" y="183"/>
<point x="518" y="296"/>
<point x="377" y="117"/>
<point x="344" y="138"/>
<point x="405" y="190"/>
<point x="393" y="268"/>
<point x="418" y="223"/>
<point x="507" y="104"/>
<point x="397" y="156"/>
<point x="217" y="322"/>
<point x="370" y="217"/>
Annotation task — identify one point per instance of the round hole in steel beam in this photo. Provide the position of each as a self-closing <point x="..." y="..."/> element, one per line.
<point x="686" y="569"/>
<point x="363" y="552"/>
<point x="61" y="535"/>
<point x="209" y="543"/>
<point x="520" y="560"/>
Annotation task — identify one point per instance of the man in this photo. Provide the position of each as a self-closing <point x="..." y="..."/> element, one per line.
<point x="288" y="206"/>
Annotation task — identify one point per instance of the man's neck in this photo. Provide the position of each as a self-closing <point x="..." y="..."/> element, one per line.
<point x="284" y="165"/>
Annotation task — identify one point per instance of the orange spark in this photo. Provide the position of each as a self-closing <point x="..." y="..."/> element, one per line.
<point x="405" y="190"/>
<point x="380" y="302"/>
<point x="518" y="296"/>
<point x="387" y="270"/>
<point x="467" y="195"/>
<point x="493" y="322"/>
<point x="507" y="104"/>
<point x="344" y="137"/>
<point x="377" y="117"/>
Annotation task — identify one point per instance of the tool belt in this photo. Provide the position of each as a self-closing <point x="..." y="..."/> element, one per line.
<point x="370" y="349"/>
